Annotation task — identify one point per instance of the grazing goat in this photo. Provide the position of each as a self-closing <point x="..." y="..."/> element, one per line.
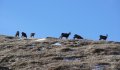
<point x="24" y="34"/>
<point x="76" y="36"/>
<point x="32" y="35"/>
<point x="103" y="37"/>
<point x="17" y="34"/>
<point x="66" y="35"/>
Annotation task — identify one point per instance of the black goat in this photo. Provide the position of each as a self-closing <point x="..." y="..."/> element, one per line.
<point x="66" y="35"/>
<point x="17" y="34"/>
<point x="24" y="34"/>
<point x="32" y="35"/>
<point x="76" y="36"/>
<point x="102" y="37"/>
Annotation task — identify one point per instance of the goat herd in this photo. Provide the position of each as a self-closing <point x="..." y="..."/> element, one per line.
<point x="63" y="35"/>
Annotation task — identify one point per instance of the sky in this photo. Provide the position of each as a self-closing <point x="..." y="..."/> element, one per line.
<point x="50" y="18"/>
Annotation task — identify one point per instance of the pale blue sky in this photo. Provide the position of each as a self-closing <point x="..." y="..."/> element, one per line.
<point x="88" y="18"/>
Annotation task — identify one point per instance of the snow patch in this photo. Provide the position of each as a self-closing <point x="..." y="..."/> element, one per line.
<point x="41" y="40"/>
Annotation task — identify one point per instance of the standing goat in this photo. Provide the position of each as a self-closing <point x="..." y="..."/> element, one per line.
<point x="66" y="35"/>
<point x="32" y="35"/>
<point x="24" y="34"/>
<point x="76" y="36"/>
<point x="17" y="34"/>
<point x="102" y="37"/>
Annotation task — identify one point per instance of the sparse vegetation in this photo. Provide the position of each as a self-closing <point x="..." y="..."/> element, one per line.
<point x="29" y="54"/>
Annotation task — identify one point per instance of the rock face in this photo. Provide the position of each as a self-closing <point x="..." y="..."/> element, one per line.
<point x="31" y="54"/>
